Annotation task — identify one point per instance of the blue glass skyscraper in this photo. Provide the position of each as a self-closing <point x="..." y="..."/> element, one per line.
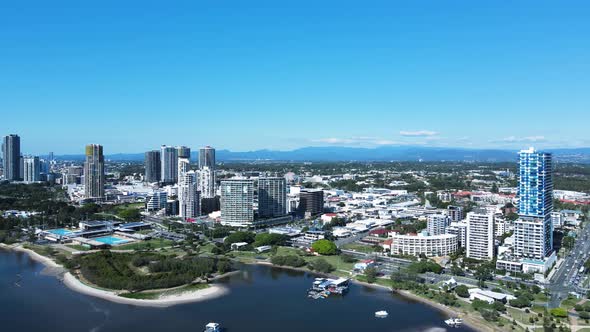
<point x="533" y="230"/>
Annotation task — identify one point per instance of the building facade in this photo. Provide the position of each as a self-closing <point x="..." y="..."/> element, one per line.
<point x="460" y="229"/>
<point x="311" y="202"/>
<point x="189" y="200"/>
<point x="533" y="230"/>
<point x="183" y="167"/>
<point x="207" y="157"/>
<point x="11" y="157"/>
<point x="272" y="197"/>
<point x="32" y="169"/>
<point x="207" y="182"/>
<point x="153" y="166"/>
<point x="455" y="213"/>
<point x="480" y="236"/>
<point x="422" y="243"/>
<point x="184" y="152"/>
<point x="156" y="201"/>
<point x="169" y="164"/>
<point x="94" y="177"/>
<point x="237" y="202"/>
<point x="437" y="224"/>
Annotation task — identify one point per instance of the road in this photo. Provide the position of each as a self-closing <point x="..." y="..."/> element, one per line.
<point x="564" y="281"/>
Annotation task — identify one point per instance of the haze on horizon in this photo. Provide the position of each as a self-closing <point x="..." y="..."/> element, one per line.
<point x="271" y="75"/>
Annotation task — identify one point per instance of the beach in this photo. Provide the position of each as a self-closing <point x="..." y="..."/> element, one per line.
<point x="73" y="283"/>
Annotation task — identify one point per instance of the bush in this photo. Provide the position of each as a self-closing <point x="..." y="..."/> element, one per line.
<point x="371" y="274"/>
<point x="324" y="247"/>
<point x="462" y="291"/>
<point x="348" y="258"/>
<point x="425" y="266"/>
<point x="288" y="260"/>
<point x="321" y="265"/>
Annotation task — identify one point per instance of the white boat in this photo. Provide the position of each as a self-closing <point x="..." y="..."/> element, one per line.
<point x="213" y="327"/>
<point x="454" y="322"/>
<point x="381" y="314"/>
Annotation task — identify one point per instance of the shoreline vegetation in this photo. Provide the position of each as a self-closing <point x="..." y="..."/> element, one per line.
<point x="164" y="297"/>
<point x="191" y="293"/>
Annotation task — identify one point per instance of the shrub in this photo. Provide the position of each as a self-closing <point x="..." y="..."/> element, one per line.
<point x="321" y="265"/>
<point x="462" y="291"/>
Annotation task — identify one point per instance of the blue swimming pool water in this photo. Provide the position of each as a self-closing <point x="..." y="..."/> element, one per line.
<point x="110" y="240"/>
<point x="59" y="231"/>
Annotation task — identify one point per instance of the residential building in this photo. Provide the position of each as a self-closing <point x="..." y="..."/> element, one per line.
<point x="11" y="157"/>
<point x="272" y="197"/>
<point x="94" y="177"/>
<point x="169" y="161"/>
<point x="156" y="201"/>
<point x="533" y="230"/>
<point x="184" y="152"/>
<point x="437" y="224"/>
<point x="189" y="200"/>
<point x="183" y="167"/>
<point x="480" y="235"/>
<point x="237" y="202"/>
<point x="459" y="229"/>
<point x="153" y="166"/>
<point x="455" y="213"/>
<point x="207" y="157"/>
<point x="32" y="169"/>
<point x="311" y="202"/>
<point x="206" y="182"/>
<point x="423" y="243"/>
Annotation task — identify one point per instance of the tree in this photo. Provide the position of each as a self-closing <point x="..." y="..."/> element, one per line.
<point x="371" y="274"/>
<point x="462" y="291"/>
<point x="324" y="247"/>
<point x="130" y="214"/>
<point x="568" y="242"/>
<point x="268" y="239"/>
<point x="321" y="265"/>
<point x="236" y="237"/>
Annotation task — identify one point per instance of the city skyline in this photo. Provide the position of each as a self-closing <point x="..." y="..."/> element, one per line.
<point x="366" y="76"/>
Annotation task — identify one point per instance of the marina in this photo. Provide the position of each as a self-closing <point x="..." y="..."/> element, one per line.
<point x="324" y="287"/>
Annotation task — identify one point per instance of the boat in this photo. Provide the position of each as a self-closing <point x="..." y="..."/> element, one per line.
<point x="454" y="322"/>
<point x="213" y="327"/>
<point x="381" y="314"/>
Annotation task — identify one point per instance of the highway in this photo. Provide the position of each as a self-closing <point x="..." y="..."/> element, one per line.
<point x="567" y="278"/>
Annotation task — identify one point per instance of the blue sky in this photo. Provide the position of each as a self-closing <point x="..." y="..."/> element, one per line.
<point x="243" y="75"/>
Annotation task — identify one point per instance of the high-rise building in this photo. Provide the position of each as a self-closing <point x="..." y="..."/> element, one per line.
<point x="169" y="159"/>
<point x="207" y="182"/>
<point x="237" y="202"/>
<point x="480" y="235"/>
<point x="32" y="169"/>
<point x="455" y="212"/>
<point x="156" y="201"/>
<point x="311" y="202"/>
<point x="189" y="200"/>
<point x="94" y="178"/>
<point x="184" y="152"/>
<point x="183" y="167"/>
<point x="272" y="197"/>
<point x="458" y="228"/>
<point x="11" y="157"/>
<point x="153" y="166"/>
<point x="533" y="230"/>
<point x="437" y="224"/>
<point x="207" y="157"/>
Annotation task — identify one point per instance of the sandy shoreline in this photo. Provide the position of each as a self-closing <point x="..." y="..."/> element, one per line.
<point x="213" y="291"/>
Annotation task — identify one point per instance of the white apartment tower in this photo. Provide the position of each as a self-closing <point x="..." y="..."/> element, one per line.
<point x="32" y="169"/>
<point x="189" y="200"/>
<point x="480" y="235"/>
<point x="206" y="182"/>
<point x="237" y="202"/>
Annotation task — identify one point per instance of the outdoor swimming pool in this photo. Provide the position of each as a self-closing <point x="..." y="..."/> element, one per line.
<point x="60" y="231"/>
<point x="111" y="240"/>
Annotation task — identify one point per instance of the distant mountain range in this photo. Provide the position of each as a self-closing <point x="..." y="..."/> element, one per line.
<point x="384" y="153"/>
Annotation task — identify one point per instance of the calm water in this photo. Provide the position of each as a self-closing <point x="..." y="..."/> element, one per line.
<point x="260" y="299"/>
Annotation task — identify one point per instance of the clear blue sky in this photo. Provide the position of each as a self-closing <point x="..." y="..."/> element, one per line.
<point x="243" y="75"/>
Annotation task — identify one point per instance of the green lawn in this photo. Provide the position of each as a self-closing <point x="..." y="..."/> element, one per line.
<point x="541" y="297"/>
<point x="520" y="316"/>
<point x="358" y="247"/>
<point x="143" y="245"/>
<point x="78" y="247"/>
<point x="570" y="302"/>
